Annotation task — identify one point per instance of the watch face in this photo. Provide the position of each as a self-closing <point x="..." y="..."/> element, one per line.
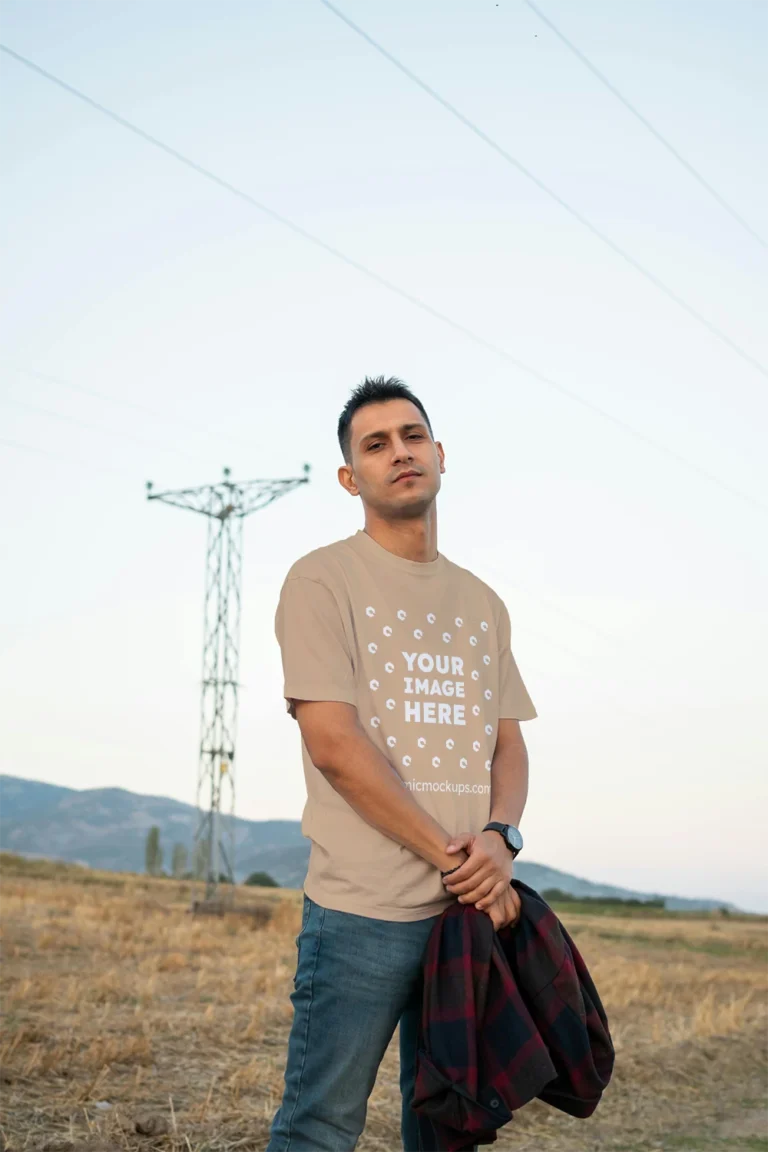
<point x="514" y="839"/>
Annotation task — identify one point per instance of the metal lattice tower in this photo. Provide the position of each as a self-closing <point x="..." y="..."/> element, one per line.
<point x="226" y="505"/>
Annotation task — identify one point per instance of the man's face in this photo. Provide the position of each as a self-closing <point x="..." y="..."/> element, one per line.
<point x="395" y="464"/>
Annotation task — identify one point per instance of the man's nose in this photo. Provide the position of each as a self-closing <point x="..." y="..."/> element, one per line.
<point x="401" y="450"/>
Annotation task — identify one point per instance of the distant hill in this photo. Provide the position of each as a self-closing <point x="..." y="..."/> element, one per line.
<point x="107" y="827"/>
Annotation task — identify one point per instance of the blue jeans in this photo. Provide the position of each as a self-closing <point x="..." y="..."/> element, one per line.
<point x="356" y="978"/>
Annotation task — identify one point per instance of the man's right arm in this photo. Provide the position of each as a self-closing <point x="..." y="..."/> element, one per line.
<point x="340" y="748"/>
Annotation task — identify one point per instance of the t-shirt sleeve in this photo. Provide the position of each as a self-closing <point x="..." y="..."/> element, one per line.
<point x="317" y="664"/>
<point x="514" y="701"/>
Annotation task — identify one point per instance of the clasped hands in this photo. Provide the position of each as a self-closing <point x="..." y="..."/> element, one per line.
<point x="484" y="877"/>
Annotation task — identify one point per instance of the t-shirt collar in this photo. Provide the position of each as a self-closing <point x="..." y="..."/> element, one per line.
<point x="366" y="545"/>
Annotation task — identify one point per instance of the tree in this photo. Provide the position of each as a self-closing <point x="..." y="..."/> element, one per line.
<point x="153" y="853"/>
<point x="178" y="861"/>
<point x="262" y="880"/>
<point x="200" y="859"/>
<point x="556" y="895"/>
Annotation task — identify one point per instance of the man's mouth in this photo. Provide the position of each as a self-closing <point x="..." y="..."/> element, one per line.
<point x="406" y="476"/>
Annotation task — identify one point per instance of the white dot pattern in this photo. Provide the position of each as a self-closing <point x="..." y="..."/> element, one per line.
<point x="391" y="666"/>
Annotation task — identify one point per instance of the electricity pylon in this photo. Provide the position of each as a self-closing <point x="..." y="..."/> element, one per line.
<point x="226" y="505"/>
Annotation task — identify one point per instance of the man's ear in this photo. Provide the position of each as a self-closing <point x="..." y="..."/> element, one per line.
<point x="440" y="455"/>
<point x="347" y="480"/>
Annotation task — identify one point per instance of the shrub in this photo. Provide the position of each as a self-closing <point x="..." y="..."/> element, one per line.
<point x="262" y="880"/>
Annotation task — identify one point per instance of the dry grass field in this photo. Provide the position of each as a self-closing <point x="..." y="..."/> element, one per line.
<point x="122" y="1011"/>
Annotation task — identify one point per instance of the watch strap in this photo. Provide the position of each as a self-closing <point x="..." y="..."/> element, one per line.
<point x="497" y="826"/>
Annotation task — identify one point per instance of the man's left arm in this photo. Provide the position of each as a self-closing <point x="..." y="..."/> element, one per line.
<point x="486" y="874"/>
<point x="509" y="776"/>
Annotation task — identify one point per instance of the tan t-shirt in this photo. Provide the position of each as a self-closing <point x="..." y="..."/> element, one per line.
<point x="422" y="650"/>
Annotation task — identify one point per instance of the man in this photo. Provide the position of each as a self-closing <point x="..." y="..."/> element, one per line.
<point x="399" y="671"/>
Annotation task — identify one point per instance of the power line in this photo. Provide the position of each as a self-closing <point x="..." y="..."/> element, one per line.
<point x="91" y="427"/>
<point x="484" y="565"/>
<point x="36" y="451"/>
<point x="520" y="626"/>
<point x="6" y="443"/>
<point x="574" y="212"/>
<point x="297" y="229"/>
<point x="646" y="123"/>
<point x="61" y="456"/>
<point x="134" y="404"/>
<point x="527" y="665"/>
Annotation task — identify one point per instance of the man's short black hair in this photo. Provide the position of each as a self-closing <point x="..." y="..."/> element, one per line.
<point x="374" y="390"/>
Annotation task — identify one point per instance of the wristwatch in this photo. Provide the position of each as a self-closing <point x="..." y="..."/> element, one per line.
<point x="512" y="837"/>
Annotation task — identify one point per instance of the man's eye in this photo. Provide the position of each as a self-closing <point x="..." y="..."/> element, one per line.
<point x="372" y="446"/>
<point x="416" y="435"/>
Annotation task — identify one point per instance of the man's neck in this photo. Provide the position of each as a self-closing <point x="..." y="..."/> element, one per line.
<point x="410" y="539"/>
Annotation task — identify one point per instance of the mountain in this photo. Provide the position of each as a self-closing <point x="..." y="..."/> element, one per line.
<point x="107" y="827"/>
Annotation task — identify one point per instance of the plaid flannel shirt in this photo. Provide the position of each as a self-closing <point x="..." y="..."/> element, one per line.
<point x="506" y="1017"/>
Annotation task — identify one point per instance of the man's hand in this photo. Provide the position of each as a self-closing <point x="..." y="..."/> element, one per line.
<point x="485" y="875"/>
<point x="506" y="910"/>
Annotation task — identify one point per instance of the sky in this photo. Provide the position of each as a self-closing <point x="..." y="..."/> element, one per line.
<point x="157" y="327"/>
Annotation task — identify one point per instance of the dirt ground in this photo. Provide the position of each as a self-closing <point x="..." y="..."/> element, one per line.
<point x="122" y="1012"/>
